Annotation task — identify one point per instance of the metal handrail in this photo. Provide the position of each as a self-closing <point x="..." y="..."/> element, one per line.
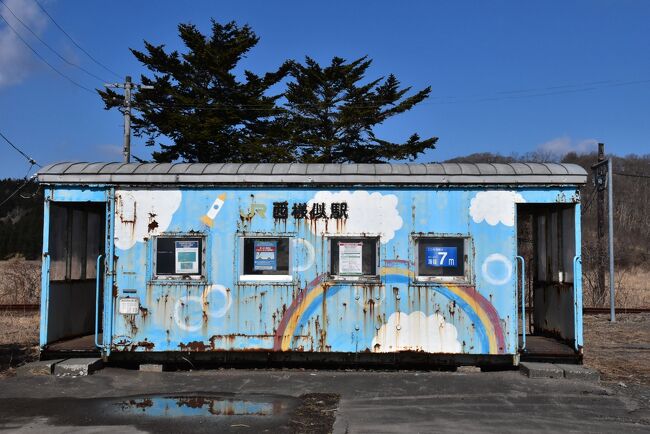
<point x="523" y="302"/>
<point x="577" y="280"/>
<point x="97" y="282"/>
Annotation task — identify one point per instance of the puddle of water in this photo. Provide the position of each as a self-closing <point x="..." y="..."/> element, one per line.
<point x="175" y="406"/>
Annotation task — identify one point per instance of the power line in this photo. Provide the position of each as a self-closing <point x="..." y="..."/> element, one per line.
<point x="81" y="68"/>
<point x="30" y="159"/>
<point x="441" y="100"/>
<point x="632" y="175"/>
<point x="75" y="42"/>
<point x="45" y="61"/>
<point x="585" y="208"/>
<point x="16" y="191"/>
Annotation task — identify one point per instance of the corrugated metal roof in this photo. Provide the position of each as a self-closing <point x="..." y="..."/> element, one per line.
<point x="296" y="173"/>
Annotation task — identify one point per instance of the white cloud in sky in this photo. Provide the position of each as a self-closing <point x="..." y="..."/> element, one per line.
<point x="16" y="60"/>
<point x="110" y="151"/>
<point x="561" y="146"/>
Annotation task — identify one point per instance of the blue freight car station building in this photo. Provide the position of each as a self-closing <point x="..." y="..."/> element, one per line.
<point x="439" y="263"/>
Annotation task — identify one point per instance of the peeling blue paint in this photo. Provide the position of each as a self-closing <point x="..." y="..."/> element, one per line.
<point x="309" y="311"/>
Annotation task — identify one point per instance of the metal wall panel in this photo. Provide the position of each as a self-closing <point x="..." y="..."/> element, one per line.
<point x="312" y="311"/>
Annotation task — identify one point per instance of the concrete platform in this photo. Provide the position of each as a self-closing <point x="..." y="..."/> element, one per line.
<point x="77" y="367"/>
<point x="543" y="349"/>
<point x="151" y="368"/>
<point x="541" y="370"/>
<point x="579" y="372"/>
<point x="41" y="367"/>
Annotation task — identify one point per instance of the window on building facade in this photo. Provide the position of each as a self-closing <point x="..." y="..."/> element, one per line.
<point x="353" y="257"/>
<point x="441" y="258"/>
<point x="179" y="257"/>
<point x="266" y="257"/>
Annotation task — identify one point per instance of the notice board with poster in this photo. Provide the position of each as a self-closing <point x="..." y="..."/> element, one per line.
<point x="265" y="255"/>
<point x="350" y="258"/>
<point x="187" y="257"/>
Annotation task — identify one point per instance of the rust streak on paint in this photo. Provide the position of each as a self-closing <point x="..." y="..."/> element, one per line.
<point x="323" y="333"/>
<point x="148" y="346"/>
<point x="193" y="346"/>
<point x="153" y="224"/>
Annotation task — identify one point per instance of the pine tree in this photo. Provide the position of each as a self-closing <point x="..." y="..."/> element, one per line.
<point x="199" y="111"/>
<point x="331" y="113"/>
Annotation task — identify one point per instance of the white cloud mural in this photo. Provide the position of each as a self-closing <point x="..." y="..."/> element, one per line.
<point x="417" y="332"/>
<point x="370" y="213"/>
<point x="139" y="214"/>
<point x="495" y="207"/>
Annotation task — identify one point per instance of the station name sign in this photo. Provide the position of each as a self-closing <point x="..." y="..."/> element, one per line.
<point x="301" y="210"/>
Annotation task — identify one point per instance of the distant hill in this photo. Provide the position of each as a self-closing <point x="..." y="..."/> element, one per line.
<point x="21" y="220"/>
<point x="631" y="202"/>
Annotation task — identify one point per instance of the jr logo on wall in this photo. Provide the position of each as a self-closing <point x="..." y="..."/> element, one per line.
<point x="266" y="257"/>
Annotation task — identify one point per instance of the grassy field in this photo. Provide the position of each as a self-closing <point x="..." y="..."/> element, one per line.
<point x="620" y="350"/>
<point x="18" y="339"/>
<point x="632" y="287"/>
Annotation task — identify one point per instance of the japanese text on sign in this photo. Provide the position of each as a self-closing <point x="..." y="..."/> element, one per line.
<point x="337" y="211"/>
<point x="265" y="255"/>
<point x="441" y="256"/>
<point x="187" y="257"/>
<point x="350" y="258"/>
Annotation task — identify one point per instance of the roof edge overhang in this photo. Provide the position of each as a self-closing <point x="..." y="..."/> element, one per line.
<point x="440" y="174"/>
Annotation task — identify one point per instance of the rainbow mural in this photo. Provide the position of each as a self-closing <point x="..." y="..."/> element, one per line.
<point x="482" y="313"/>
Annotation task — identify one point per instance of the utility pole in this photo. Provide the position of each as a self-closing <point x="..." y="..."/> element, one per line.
<point x="603" y="178"/>
<point x="127" y="86"/>
<point x="610" y="204"/>
<point x="600" y="179"/>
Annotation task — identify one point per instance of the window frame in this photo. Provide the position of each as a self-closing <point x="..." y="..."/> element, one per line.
<point x="354" y="278"/>
<point x="255" y="278"/>
<point x="201" y="277"/>
<point x="467" y="278"/>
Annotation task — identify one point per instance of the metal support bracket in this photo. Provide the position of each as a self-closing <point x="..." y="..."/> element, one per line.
<point x="98" y="279"/>
<point x="523" y="302"/>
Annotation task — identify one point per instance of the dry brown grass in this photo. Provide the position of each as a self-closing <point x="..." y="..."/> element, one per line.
<point x="20" y="281"/>
<point x="632" y="287"/>
<point x="19" y="328"/>
<point x="18" y="340"/>
<point x="620" y="350"/>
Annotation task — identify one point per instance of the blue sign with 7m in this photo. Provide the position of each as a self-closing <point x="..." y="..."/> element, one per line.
<point x="442" y="256"/>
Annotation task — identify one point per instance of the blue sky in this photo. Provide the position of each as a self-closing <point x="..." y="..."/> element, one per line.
<point x="506" y="76"/>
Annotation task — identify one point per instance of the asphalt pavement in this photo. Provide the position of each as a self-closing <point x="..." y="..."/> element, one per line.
<point x="238" y="400"/>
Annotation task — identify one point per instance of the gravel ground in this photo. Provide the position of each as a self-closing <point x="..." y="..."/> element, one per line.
<point x="620" y="350"/>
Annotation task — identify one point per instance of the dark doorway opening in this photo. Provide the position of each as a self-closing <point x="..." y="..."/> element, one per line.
<point x="546" y="235"/>
<point x="76" y="240"/>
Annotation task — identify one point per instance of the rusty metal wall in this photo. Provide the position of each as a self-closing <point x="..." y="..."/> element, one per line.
<point x="309" y="310"/>
<point x="312" y="311"/>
